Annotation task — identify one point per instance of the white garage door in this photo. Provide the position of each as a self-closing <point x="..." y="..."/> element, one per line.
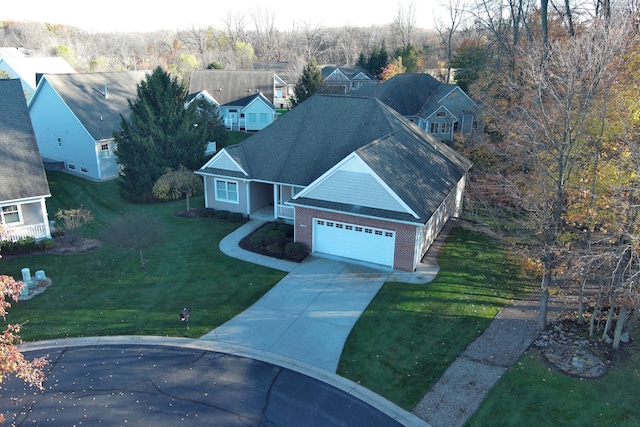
<point x="354" y="241"/>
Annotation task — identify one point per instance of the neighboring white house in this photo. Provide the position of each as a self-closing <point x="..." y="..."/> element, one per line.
<point x="75" y="115"/>
<point x="251" y="113"/>
<point x="29" y="69"/>
<point x="23" y="182"/>
<point x="355" y="177"/>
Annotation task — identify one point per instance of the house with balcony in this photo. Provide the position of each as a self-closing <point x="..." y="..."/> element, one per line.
<point x="23" y="182"/>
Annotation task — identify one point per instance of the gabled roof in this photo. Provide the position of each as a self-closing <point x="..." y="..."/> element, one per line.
<point x="352" y="73"/>
<point x="243" y="102"/>
<point x="287" y="72"/>
<point x="97" y="99"/>
<point x="22" y="173"/>
<point x="29" y="67"/>
<point x="228" y="86"/>
<point x="319" y="133"/>
<point x="408" y="94"/>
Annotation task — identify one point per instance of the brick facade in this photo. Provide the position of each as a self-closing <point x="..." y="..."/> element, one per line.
<point x="405" y="234"/>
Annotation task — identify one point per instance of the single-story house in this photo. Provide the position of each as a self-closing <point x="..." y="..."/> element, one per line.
<point x="440" y="109"/>
<point x="29" y="69"/>
<point x="356" y="178"/>
<point x="75" y="115"/>
<point x="23" y="182"/>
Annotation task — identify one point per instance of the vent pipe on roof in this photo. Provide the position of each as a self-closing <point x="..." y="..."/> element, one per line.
<point x="106" y="94"/>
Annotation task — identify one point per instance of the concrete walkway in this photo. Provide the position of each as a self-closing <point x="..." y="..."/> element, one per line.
<point x="309" y="314"/>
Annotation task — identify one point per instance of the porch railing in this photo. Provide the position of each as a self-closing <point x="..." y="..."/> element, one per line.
<point x="287" y="212"/>
<point x="14" y="234"/>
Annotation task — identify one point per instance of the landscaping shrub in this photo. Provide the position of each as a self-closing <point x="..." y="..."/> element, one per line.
<point x="270" y="226"/>
<point x="296" y="251"/>
<point x="19" y="247"/>
<point x="274" y="249"/>
<point x="207" y="212"/>
<point x="235" y="217"/>
<point x="257" y="240"/>
<point x="287" y="229"/>
<point x="58" y="232"/>
<point x="45" y="244"/>
<point x="222" y="214"/>
<point x="275" y="237"/>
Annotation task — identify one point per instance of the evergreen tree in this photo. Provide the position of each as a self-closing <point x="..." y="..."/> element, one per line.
<point x="309" y="82"/>
<point x="376" y="61"/>
<point x="162" y="134"/>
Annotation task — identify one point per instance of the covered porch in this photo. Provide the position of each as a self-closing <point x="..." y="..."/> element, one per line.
<point x="268" y="201"/>
<point x="19" y="220"/>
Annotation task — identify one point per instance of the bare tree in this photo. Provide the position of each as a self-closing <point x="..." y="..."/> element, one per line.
<point x="265" y="39"/>
<point x="404" y="24"/>
<point x="447" y="29"/>
<point x="198" y="39"/>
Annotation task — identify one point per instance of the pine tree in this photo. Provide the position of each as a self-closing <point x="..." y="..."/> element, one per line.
<point x="309" y="82"/>
<point x="162" y="134"/>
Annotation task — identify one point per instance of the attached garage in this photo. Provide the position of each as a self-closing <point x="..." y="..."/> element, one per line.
<point x="354" y="241"/>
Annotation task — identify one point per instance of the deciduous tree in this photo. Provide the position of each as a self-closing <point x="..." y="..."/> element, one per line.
<point x="175" y="184"/>
<point x="135" y="231"/>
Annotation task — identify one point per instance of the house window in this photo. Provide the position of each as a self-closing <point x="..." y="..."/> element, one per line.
<point x="278" y="93"/>
<point x="11" y="214"/>
<point x="434" y="127"/>
<point x="264" y="118"/>
<point x="59" y="143"/>
<point x="445" y="128"/>
<point x="252" y="117"/>
<point x="104" y="151"/>
<point x="456" y="127"/>
<point x="226" y="191"/>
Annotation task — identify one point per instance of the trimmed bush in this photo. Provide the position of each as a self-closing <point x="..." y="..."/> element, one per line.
<point x="275" y="237"/>
<point x="296" y="251"/>
<point x="274" y="249"/>
<point x="207" y="212"/>
<point x="20" y="247"/>
<point x="257" y="240"/>
<point x="235" y="217"/>
<point x="270" y="226"/>
<point x="222" y="214"/>
<point x="58" y="232"/>
<point x="45" y="244"/>
<point x="287" y="229"/>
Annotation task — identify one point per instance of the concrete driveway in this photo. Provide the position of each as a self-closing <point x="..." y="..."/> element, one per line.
<point x="308" y="315"/>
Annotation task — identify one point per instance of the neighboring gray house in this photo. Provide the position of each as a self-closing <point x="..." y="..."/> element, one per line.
<point x="345" y="80"/>
<point x="356" y="178"/>
<point x="23" y="182"/>
<point x="228" y="86"/>
<point x="29" y="69"/>
<point x="440" y="109"/>
<point x="75" y="115"/>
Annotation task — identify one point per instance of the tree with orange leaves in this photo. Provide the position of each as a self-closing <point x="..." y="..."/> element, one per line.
<point x="12" y="361"/>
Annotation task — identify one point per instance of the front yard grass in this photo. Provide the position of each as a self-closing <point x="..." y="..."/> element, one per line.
<point x="104" y="292"/>
<point x="410" y="333"/>
<point x="533" y="394"/>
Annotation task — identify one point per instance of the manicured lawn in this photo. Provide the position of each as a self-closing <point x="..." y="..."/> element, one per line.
<point x="410" y="334"/>
<point x="533" y="394"/>
<point x="104" y="292"/>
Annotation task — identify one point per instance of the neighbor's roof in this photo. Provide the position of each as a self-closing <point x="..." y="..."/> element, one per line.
<point x="408" y="94"/>
<point x="243" y="102"/>
<point x="22" y="174"/>
<point x="228" y="86"/>
<point x="98" y="111"/>
<point x="316" y="135"/>
<point x="29" y="67"/>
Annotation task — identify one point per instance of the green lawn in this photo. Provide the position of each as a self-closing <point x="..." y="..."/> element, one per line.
<point x="533" y="394"/>
<point x="410" y="334"/>
<point x="104" y="292"/>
